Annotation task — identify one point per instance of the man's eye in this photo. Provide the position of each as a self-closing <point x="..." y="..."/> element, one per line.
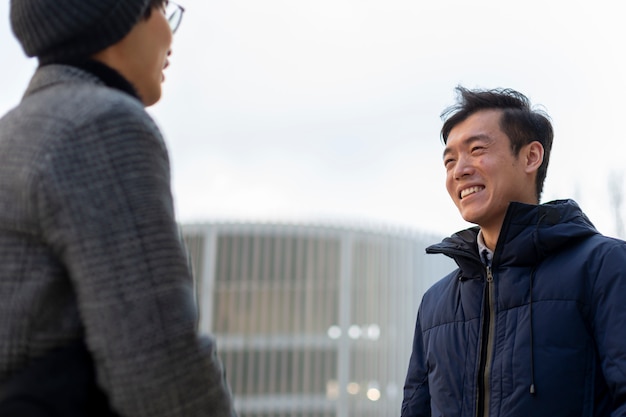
<point x="477" y="148"/>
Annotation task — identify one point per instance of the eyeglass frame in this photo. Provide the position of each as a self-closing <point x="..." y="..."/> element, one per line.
<point x="174" y="15"/>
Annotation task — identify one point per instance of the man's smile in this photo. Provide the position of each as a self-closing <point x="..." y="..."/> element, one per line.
<point x="470" y="190"/>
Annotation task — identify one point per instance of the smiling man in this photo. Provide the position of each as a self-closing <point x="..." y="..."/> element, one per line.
<point x="531" y="321"/>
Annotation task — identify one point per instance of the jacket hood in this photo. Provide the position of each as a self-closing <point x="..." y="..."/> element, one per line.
<point x="529" y="234"/>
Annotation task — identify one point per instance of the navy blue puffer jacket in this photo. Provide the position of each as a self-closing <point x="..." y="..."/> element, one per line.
<point x="542" y="333"/>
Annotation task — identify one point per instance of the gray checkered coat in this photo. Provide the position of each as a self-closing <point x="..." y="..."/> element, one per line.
<point x="89" y="248"/>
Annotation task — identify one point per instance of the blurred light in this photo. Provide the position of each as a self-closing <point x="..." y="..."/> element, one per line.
<point x="334" y="332"/>
<point x="332" y="389"/>
<point x="373" y="332"/>
<point x="353" y="388"/>
<point x="354" y="331"/>
<point x="373" y="394"/>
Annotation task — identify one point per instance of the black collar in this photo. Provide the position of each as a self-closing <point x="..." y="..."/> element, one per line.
<point x="109" y="76"/>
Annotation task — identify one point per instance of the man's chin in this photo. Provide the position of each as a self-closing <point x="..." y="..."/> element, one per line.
<point x="470" y="217"/>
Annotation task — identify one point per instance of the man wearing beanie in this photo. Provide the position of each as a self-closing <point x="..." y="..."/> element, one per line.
<point x="97" y="315"/>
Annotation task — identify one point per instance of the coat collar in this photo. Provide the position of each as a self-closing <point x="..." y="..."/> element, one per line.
<point x="529" y="234"/>
<point x="85" y="70"/>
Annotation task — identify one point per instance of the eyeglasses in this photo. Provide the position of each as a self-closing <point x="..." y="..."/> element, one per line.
<point x="174" y="15"/>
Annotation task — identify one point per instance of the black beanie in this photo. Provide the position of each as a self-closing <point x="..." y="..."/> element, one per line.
<point x="61" y="30"/>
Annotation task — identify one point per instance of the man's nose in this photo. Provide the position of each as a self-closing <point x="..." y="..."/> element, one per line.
<point x="462" y="168"/>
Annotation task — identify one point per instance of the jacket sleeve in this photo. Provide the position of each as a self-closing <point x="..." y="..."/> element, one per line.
<point x="609" y="317"/>
<point x="106" y="209"/>
<point x="416" y="401"/>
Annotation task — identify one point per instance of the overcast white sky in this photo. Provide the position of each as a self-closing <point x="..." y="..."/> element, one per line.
<point x="328" y="110"/>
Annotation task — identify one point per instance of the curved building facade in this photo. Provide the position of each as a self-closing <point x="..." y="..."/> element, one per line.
<point x="312" y="320"/>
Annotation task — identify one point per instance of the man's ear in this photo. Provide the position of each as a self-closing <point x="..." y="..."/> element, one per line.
<point x="533" y="156"/>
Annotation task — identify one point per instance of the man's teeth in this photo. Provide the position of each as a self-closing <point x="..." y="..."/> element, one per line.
<point x="469" y="191"/>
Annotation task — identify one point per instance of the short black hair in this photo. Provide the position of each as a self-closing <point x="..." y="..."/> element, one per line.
<point x="154" y="4"/>
<point x="521" y="122"/>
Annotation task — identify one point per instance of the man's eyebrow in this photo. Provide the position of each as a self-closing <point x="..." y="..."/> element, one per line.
<point x="467" y="142"/>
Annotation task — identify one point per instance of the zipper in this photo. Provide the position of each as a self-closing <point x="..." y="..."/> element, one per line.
<point x="486" y="349"/>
